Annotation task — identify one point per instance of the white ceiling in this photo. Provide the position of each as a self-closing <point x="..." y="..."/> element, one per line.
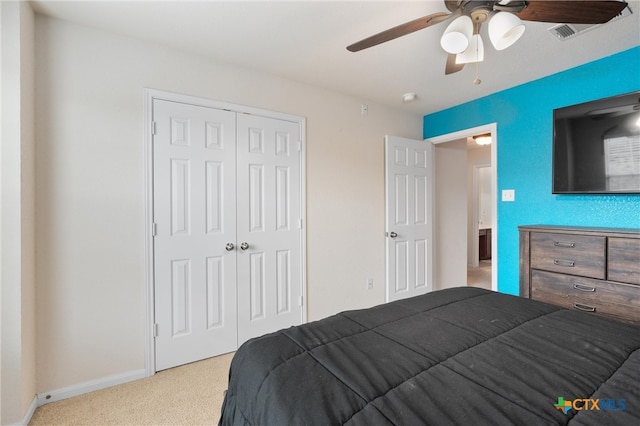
<point x="306" y="41"/>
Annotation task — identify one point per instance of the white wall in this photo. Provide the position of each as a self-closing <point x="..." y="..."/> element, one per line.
<point x="485" y="197"/>
<point x="17" y="204"/>
<point x="450" y="214"/>
<point x="90" y="191"/>
<point x="475" y="157"/>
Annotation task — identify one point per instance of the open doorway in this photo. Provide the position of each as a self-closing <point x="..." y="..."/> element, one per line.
<point x="462" y="220"/>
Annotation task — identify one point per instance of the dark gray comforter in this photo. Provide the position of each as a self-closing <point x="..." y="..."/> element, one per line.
<point x="462" y="356"/>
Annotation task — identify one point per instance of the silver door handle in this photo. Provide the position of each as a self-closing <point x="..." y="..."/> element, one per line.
<point x="393" y="234"/>
<point x="229" y="247"/>
<point x="244" y="246"/>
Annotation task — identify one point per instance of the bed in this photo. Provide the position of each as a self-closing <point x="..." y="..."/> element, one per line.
<point x="458" y="356"/>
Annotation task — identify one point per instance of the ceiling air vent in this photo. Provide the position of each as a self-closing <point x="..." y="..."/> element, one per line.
<point x="567" y="31"/>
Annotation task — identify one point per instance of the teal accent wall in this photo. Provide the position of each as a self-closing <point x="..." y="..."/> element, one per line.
<point x="524" y="131"/>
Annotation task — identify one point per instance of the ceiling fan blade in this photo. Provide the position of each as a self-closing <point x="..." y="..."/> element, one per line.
<point x="451" y="65"/>
<point x="572" y="11"/>
<point x="399" y="31"/>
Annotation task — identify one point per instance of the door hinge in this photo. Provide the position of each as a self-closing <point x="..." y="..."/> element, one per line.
<point x="155" y="330"/>
<point x="300" y="224"/>
<point x="154" y="229"/>
<point x="299" y="146"/>
<point x="153" y="127"/>
<point x="301" y="301"/>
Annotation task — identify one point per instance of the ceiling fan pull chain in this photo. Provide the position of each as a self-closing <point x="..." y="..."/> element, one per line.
<point x="477" y="80"/>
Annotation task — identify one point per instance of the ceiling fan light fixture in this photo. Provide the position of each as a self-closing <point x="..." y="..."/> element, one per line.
<point x="457" y="35"/>
<point x="474" y="53"/>
<point x="505" y="29"/>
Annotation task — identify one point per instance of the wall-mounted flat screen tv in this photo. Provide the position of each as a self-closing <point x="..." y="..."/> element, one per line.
<point x="596" y="146"/>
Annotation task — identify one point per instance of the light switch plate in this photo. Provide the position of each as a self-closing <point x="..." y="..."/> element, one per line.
<point x="508" y="195"/>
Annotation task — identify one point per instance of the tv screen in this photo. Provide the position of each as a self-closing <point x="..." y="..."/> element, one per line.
<point x="596" y="146"/>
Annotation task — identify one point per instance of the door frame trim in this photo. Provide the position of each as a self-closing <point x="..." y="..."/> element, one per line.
<point x="149" y="95"/>
<point x="465" y="133"/>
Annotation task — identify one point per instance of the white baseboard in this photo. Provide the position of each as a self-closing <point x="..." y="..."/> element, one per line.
<point x="27" y="417"/>
<point x="90" y="386"/>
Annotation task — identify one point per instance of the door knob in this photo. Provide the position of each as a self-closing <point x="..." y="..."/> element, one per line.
<point x="393" y="234"/>
<point x="244" y="246"/>
<point x="229" y="247"/>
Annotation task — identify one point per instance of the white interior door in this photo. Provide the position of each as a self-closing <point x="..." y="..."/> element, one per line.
<point x="408" y="216"/>
<point x="269" y="225"/>
<point x="194" y="216"/>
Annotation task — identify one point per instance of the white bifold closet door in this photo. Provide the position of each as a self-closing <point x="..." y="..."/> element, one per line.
<point x="227" y="219"/>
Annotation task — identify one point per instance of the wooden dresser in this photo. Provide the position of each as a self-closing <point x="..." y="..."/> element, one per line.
<point x="589" y="269"/>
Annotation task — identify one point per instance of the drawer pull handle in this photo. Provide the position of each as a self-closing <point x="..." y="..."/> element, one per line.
<point x="583" y="287"/>
<point x="561" y="262"/>
<point x="564" y="244"/>
<point x="585" y="308"/>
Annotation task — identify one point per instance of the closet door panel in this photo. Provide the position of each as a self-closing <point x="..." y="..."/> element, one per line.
<point x="269" y="217"/>
<point x="194" y="166"/>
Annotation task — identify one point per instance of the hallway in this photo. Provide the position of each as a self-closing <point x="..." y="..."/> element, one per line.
<point x="480" y="276"/>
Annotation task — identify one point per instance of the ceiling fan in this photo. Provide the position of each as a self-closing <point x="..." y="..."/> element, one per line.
<point x="462" y="40"/>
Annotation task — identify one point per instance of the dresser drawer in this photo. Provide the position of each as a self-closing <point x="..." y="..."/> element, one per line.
<point x="617" y="301"/>
<point x="623" y="263"/>
<point x="569" y="254"/>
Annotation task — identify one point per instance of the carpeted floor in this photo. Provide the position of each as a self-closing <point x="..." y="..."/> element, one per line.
<point x="191" y="394"/>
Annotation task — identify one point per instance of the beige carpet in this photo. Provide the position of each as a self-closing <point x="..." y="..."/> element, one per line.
<point x="187" y="395"/>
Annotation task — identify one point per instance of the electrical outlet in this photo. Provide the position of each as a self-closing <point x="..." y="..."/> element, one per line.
<point x="369" y="283"/>
<point x="364" y="110"/>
